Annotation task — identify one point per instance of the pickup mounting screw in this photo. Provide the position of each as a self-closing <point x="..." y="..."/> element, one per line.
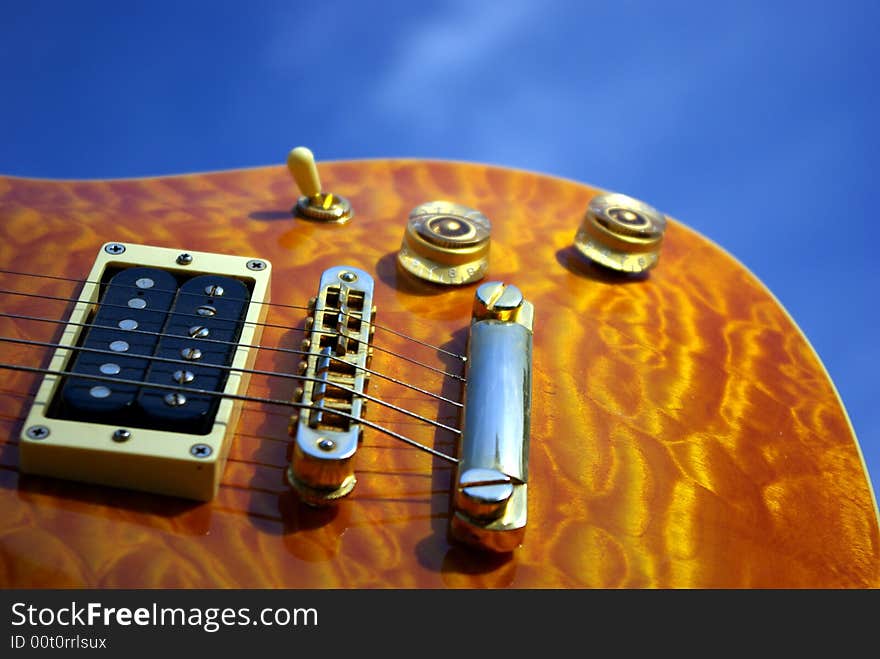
<point x="200" y="450"/>
<point x="121" y="435"/>
<point x="184" y="259"/>
<point x="256" y="264"/>
<point x="37" y="432"/>
<point x="114" y="248"/>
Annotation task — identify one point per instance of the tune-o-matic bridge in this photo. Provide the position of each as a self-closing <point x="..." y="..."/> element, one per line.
<point x="326" y="430"/>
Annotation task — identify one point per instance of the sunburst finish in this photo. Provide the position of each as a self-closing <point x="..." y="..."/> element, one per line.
<point x="684" y="433"/>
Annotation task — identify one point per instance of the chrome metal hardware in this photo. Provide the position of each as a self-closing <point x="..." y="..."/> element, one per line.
<point x="490" y="502"/>
<point x="327" y="432"/>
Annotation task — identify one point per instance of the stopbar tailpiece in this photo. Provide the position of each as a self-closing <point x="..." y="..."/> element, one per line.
<point x="489" y="502"/>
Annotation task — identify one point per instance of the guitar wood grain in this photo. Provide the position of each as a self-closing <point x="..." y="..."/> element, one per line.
<point x="684" y="433"/>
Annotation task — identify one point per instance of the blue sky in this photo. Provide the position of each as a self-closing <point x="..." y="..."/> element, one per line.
<point x="753" y="122"/>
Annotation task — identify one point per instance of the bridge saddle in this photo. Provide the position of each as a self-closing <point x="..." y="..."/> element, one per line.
<point x="326" y="432"/>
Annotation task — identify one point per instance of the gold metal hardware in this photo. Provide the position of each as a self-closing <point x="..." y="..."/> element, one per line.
<point x="621" y="233"/>
<point x="315" y="204"/>
<point x="490" y="499"/>
<point x="142" y="458"/>
<point x="446" y="243"/>
<point x="322" y="468"/>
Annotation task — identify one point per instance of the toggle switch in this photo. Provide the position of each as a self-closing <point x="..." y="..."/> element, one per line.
<point x="315" y="204"/>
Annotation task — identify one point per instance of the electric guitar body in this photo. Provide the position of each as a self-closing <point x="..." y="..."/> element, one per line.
<point x="684" y="434"/>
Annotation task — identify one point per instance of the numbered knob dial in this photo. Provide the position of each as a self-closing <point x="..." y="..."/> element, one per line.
<point x="446" y="243"/>
<point x="621" y="233"/>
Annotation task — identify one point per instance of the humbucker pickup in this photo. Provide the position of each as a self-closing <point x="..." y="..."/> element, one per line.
<point x="186" y="323"/>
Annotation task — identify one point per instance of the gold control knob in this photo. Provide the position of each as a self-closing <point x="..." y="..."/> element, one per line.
<point x="621" y="233"/>
<point x="314" y="204"/>
<point x="446" y="243"/>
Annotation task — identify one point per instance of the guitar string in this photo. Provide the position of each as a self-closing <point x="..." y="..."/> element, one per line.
<point x="270" y="304"/>
<point x="245" y="322"/>
<point x="282" y="415"/>
<point x="223" y="367"/>
<point x="292" y="351"/>
<point x="245" y="409"/>
<point x="238" y="434"/>
<point x="238" y="397"/>
<point x="251" y="323"/>
<point x="271" y="401"/>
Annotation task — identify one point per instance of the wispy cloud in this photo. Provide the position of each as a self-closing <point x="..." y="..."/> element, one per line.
<point x="734" y="118"/>
<point x="443" y="66"/>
